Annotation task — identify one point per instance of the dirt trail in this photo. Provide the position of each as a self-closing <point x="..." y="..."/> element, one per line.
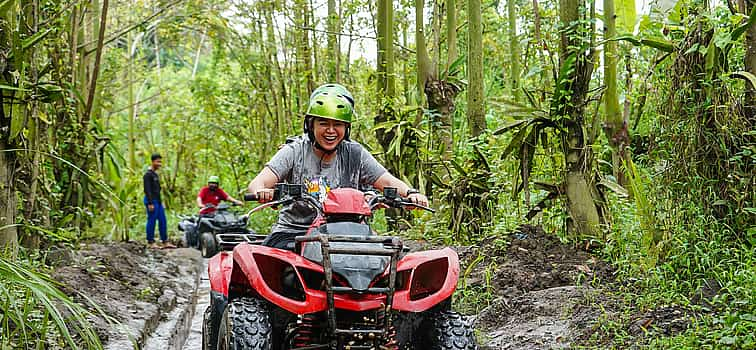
<point x="149" y="292"/>
<point x="194" y="340"/>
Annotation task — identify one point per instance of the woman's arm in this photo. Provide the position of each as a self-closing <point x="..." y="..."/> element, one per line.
<point x="388" y="180"/>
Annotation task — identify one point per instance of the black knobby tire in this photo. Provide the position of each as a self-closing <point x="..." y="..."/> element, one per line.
<point x="210" y="329"/>
<point x="245" y="325"/>
<point x="207" y="245"/>
<point x="191" y="238"/>
<point x="447" y="330"/>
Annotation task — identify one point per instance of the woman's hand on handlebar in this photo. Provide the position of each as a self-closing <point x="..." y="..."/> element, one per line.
<point x="265" y="195"/>
<point x="419" y="199"/>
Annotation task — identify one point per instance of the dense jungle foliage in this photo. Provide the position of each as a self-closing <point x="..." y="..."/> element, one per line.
<point x="624" y="128"/>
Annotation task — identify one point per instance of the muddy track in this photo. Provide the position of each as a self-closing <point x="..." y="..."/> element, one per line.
<point x="148" y="295"/>
<point x="544" y="294"/>
<point x="194" y="337"/>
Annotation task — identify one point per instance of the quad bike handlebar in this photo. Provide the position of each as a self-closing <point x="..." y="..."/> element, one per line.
<point x="288" y="193"/>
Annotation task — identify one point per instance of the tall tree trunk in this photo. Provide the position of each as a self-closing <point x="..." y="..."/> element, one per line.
<point x="539" y="49"/>
<point x="31" y="239"/>
<point x="451" y="32"/>
<point x="438" y="93"/>
<point x="750" y="62"/>
<point x="348" y="56"/>
<point x="8" y="231"/>
<point x="424" y="71"/>
<point x="615" y="126"/>
<point x="312" y="45"/>
<point x="407" y="76"/>
<point x="436" y="32"/>
<point x="576" y="58"/>
<point x="271" y="67"/>
<point x="389" y="42"/>
<point x="476" y="112"/>
<point x="514" y="51"/>
<point x="385" y="70"/>
<point x="333" y="48"/>
<point x="132" y="107"/>
<point x="98" y="55"/>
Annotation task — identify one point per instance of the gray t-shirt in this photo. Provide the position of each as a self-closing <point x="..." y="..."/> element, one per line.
<point x="296" y="163"/>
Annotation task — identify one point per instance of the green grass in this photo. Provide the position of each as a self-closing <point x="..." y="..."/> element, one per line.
<point x="33" y="310"/>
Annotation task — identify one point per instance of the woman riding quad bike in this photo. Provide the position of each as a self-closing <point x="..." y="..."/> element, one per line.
<point x="344" y="287"/>
<point x="326" y="158"/>
<point x="322" y="279"/>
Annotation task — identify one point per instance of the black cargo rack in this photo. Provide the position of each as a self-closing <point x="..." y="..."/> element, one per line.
<point x="392" y="248"/>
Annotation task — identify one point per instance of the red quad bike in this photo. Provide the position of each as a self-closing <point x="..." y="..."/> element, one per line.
<point x="342" y="286"/>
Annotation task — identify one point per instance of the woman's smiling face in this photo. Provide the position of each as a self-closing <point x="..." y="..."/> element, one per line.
<point x="329" y="133"/>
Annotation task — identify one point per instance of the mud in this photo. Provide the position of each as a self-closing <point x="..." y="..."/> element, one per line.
<point x="533" y="260"/>
<point x="194" y="339"/>
<point x="552" y="295"/>
<point x="139" y="289"/>
<point x="542" y="298"/>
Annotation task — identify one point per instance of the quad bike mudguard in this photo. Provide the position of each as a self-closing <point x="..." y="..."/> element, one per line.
<point x="425" y="279"/>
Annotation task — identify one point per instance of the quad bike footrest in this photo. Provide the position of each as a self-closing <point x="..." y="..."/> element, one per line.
<point x="359" y="331"/>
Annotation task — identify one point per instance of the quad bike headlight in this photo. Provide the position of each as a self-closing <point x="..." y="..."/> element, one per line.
<point x="280" y="276"/>
<point x="428" y="278"/>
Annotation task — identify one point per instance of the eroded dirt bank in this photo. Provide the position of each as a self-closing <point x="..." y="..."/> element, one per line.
<point x="143" y="289"/>
<point x="552" y="295"/>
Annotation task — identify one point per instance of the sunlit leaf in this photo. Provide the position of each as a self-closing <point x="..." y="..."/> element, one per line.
<point x="516" y="142"/>
<point x="746" y="76"/>
<point x="614" y="187"/>
<point x="12" y="88"/>
<point x="510" y="126"/>
<point x="5" y="4"/>
<point x="657" y="43"/>
<point x="735" y="35"/>
<point x="626" y="17"/>
<point x="458" y="168"/>
<point x="29" y="42"/>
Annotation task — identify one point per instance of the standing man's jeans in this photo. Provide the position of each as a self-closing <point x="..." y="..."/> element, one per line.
<point x="157" y="214"/>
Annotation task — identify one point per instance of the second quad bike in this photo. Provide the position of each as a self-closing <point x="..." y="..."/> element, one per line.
<point x="342" y="286"/>
<point x="221" y="230"/>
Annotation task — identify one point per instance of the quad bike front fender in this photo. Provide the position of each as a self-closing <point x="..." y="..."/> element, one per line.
<point x="261" y="269"/>
<point x="431" y="278"/>
<point x="219" y="272"/>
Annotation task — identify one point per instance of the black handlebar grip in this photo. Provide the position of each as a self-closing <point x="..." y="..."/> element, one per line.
<point x="251" y="197"/>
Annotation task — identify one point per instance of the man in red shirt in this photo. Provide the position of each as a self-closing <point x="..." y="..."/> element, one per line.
<point x="212" y="194"/>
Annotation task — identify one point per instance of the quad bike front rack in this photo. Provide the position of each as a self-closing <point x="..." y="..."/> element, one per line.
<point x="392" y="247"/>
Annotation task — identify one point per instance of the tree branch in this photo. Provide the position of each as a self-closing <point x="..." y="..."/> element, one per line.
<point x="98" y="55"/>
<point x="121" y="32"/>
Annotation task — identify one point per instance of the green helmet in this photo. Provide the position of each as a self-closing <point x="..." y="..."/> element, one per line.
<point x="330" y="107"/>
<point x="213" y="179"/>
<point x="333" y="89"/>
